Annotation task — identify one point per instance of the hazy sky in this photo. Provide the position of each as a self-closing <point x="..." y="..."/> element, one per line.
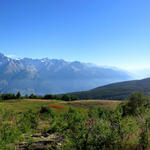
<point x="104" y="32"/>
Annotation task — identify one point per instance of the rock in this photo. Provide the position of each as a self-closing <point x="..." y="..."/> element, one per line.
<point x="42" y="142"/>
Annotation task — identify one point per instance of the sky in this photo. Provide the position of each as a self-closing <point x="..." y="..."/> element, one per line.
<point x="104" y="32"/>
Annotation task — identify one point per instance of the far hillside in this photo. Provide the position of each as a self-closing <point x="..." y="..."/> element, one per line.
<point x="117" y="91"/>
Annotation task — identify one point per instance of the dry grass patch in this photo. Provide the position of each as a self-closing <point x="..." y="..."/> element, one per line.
<point x="108" y="104"/>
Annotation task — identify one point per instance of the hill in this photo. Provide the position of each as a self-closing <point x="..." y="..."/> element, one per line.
<point x="42" y="76"/>
<point x="117" y="91"/>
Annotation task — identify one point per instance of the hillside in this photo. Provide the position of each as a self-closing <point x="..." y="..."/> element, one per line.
<point x="52" y="124"/>
<point x="35" y="119"/>
<point x="42" y="76"/>
<point x="117" y="91"/>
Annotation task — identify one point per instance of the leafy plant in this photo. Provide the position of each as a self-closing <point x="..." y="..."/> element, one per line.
<point x="28" y="121"/>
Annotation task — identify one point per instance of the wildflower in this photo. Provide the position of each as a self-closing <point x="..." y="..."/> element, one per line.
<point x="55" y="106"/>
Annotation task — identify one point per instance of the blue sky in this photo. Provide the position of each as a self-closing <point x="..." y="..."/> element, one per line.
<point x="104" y="32"/>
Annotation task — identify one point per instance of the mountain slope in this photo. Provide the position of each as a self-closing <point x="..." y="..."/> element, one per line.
<point x="41" y="76"/>
<point x="116" y="91"/>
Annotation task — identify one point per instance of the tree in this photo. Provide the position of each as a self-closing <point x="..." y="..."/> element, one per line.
<point x="65" y="97"/>
<point x="136" y="104"/>
<point x="48" y="96"/>
<point x="18" y="95"/>
<point x="32" y="96"/>
<point x="26" y="96"/>
<point x="8" y="96"/>
<point x="73" y="97"/>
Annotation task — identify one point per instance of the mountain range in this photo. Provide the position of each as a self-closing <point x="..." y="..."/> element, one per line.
<point x="54" y="76"/>
<point x="116" y="91"/>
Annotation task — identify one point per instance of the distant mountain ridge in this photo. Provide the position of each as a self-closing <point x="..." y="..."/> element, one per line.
<point x="116" y="91"/>
<point x="41" y="76"/>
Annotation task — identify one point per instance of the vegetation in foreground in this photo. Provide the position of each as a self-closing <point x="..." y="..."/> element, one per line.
<point x="127" y="127"/>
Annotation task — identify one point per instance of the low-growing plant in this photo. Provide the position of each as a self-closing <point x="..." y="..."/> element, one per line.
<point x="9" y="134"/>
<point x="47" y="112"/>
<point x="28" y="121"/>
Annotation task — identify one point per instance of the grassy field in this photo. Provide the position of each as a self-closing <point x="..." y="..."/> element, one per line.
<point x="35" y="105"/>
<point x="21" y="106"/>
<point x="12" y="111"/>
<point x="85" y="124"/>
<point x="108" y="104"/>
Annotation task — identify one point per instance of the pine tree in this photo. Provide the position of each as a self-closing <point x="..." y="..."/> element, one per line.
<point x="18" y="96"/>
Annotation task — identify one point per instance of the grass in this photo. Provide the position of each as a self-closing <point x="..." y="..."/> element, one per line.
<point x="21" y="106"/>
<point x="108" y="104"/>
<point x="14" y="108"/>
<point x="43" y="122"/>
<point x="34" y="104"/>
<point x="24" y="105"/>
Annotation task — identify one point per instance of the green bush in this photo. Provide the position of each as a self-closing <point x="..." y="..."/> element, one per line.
<point x="33" y="96"/>
<point x="28" y="121"/>
<point x="47" y="111"/>
<point x="49" y="96"/>
<point x="9" y="134"/>
<point x="66" y="97"/>
<point x="136" y="104"/>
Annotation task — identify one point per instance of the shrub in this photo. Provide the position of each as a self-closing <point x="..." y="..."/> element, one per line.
<point x="73" y="97"/>
<point x="136" y="105"/>
<point x="49" y="96"/>
<point x="104" y="113"/>
<point x="47" y="110"/>
<point x="28" y="121"/>
<point x="26" y="96"/>
<point x="144" y="142"/>
<point x="9" y="134"/>
<point x="66" y="97"/>
<point x="32" y="96"/>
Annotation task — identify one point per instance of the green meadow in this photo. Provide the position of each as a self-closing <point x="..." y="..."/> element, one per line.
<point x="77" y="125"/>
<point x="35" y="104"/>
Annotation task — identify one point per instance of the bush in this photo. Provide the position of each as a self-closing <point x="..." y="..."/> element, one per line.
<point x="136" y="105"/>
<point x="9" y="134"/>
<point x="144" y="142"/>
<point x="26" y="96"/>
<point x="73" y="97"/>
<point x="49" y="96"/>
<point x="104" y="113"/>
<point x="47" y="110"/>
<point x="28" y="121"/>
<point x="66" y="97"/>
<point x="33" y="96"/>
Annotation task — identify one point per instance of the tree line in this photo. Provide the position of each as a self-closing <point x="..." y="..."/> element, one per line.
<point x="11" y="96"/>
